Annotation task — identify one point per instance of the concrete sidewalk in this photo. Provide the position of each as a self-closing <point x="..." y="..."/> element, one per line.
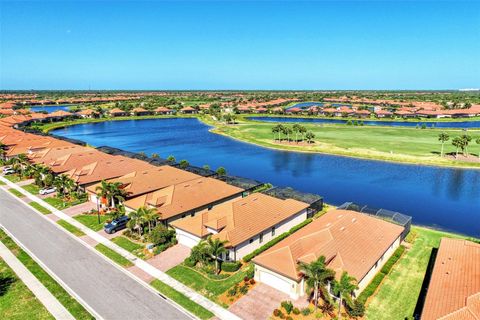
<point x="38" y="289"/>
<point x="216" y="309"/>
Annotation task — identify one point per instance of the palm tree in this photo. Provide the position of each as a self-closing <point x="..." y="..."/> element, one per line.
<point x="443" y="137"/>
<point x="296" y="130"/>
<point x="42" y="175"/>
<point x="216" y="248"/>
<point x="116" y="192"/>
<point x="317" y="276"/>
<point x="343" y="290"/>
<point x="103" y="191"/>
<point x="288" y="132"/>
<point x="155" y="156"/>
<point x="303" y="130"/>
<point x="457" y="143"/>
<point x="136" y="221"/>
<point x="63" y="184"/>
<point x="171" y="159"/>
<point x="275" y="130"/>
<point x="310" y="136"/>
<point x="465" y="141"/>
<point x="151" y="217"/>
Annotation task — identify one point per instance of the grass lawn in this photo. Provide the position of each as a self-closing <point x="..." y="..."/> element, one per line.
<point x="16" y="300"/>
<point x="2" y="183"/>
<point x="182" y="300"/>
<point x="32" y="188"/>
<point x="60" y="204"/>
<point x="71" y="228"/>
<point x="403" y="144"/>
<point x="91" y="221"/>
<point x="398" y="294"/>
<point x="16" y="193"/>
<point x="208" y="287"/>
<point x="13" y="178"/>
<point x="72" y="305"/>
<point x="39" y="207"/>
<point x="112" y="255"/>
<point x="130" y="246"/>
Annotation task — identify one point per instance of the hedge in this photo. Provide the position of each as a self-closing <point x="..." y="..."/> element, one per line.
<point x="231" y="266"/>
<point x="387" y="267"/>
<point x="276" y="240"/>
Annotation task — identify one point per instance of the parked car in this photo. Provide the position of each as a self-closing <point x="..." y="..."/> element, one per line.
<point x="47" y="190"/>
<point x="116" y="224"/>
<point x="8" y="170"/>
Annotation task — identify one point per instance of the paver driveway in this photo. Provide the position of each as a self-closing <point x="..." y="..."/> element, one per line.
<point x="170" y="257"/>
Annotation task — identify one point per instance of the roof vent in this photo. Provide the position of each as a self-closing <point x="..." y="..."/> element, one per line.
<point x="329" y="224"/>
<point x="342" y="228"/>
<point x="354" y="219"/>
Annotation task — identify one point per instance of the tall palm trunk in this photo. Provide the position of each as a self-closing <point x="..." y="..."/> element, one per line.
<point x="315" y="295"/>
<point x="340" y="307"/>
<point x="441" y="153"/>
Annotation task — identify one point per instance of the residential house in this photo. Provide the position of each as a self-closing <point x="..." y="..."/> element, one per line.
<point x="116" y="112"/>
<point x="141" y="112"/>
<point x="163" y="110"/>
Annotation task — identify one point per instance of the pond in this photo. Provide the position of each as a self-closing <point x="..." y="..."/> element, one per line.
<point x="50" y="109"/>
<point x="444" y="198"/>
<point x="430" y="124"/>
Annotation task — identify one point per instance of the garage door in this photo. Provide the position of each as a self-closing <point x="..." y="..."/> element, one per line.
<point x="275" y="281"/>
<point x="187" y="240"/>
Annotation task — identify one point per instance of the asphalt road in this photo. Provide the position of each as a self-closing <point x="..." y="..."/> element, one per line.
<point x="107" y="290"/>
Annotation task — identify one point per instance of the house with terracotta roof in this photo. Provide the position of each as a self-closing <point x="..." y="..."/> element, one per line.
<point x="140" y="182"/>
<point x="116" y="112"/>
<point x="163" y="110"/>
<point x="188" y="110"/>
<point x="244" y="224"/>
<point x="350" y="241"/>
<point x="88" y="113"/>
<point x="185" y="199"/>
<point x="381" y="113"/>
<point x="60" y="114"/>
<point x="453" y="292"/>
<point x="140" y="112"/>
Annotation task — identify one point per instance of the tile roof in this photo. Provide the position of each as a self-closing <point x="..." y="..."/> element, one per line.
<point x="183" y="197"/>
<point x="239" y="220"/>
<point x="349" y="240"/>
<point x="454" y="289"/>
<point x="140" y="182"/>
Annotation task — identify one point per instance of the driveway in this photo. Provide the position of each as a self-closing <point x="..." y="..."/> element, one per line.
<point x="80" y="208"/>
<point x="170" y="257"/>
<point x="259" y="303"/>
<point x="108" y="290"/>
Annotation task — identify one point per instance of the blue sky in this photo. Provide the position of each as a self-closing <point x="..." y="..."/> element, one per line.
<point x="239" y="45"/>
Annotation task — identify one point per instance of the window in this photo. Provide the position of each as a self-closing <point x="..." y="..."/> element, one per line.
<point x="227" y="255"/>
<point x="273" y="231"/>
<point x="261" y="237"/>
<point x="251" y="240"/>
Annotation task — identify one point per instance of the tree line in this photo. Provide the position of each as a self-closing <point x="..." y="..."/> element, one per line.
<point x="461" y="143"/>
<point x="283" y="131"/>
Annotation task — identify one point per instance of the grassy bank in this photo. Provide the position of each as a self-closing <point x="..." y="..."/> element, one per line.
<point x="396" y="144"/>
<point x="16" y="300"/>
<point x="72" y="305"/>
<point x="398" y="294"/>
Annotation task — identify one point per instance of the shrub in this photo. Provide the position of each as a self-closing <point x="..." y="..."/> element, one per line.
<point x="306" y="311"/>
<point x="161" y="235"/>
<point x="231" y="266"/>
<point x="411" y="236"/>
<point x="246" y="278"/>
<point x="387" y="267"/>
<point x="288" y="306"/>
<point x="276" y="312"/>
<point x="296" y="311"/>
<point x="250" y="273"/>
<point x="289" y="318"/>
<point x="357" y="310"/>
<point x="244" y="289"/>
<point x="252" y="281"/>
<point x="189" y="262"/>
<point x="233" y="291"/>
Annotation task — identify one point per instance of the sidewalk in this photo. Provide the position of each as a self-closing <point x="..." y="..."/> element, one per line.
<point x="46" y="298"/>
<point x="219" y="311"/>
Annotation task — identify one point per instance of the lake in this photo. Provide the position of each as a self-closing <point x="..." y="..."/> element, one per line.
<point x="50" y="109"/>
<point x="434" y="124"/>
<point x="444" y="198"/>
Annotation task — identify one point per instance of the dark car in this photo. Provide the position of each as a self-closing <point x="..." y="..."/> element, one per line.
<point x="116" y="224"/>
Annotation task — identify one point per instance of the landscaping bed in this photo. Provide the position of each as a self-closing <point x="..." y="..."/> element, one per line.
<point x="63" y="203"/>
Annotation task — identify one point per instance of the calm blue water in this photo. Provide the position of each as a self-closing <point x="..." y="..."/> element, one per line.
<point x="439" y="197"/>
<point x="453" y="124"/>
<point x="306" y="105"/>
<point x="50" y="109"/>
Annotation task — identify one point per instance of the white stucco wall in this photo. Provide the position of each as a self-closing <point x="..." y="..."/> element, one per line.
<point x="279" y="282"/>
<point x="246" y="247"/>
<point x="186" y="238"/>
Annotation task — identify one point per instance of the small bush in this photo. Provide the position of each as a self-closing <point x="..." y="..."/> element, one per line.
<point x="189" y="262"/>
<point x="357" y="310"/>
<point x="231" y="266"/>
<point x="288" y="306"/>
<point x="387" y="267"/>
<point x="306" y="311"/>
<point x="296" y="311"/>
<point x="233" y="291"/>
<point x="252" y="281"/>
<point x="289" y="318"/>
<point x="276" y="312"/>
<point x="250" y="273"/>
<point x="244" y="289"/>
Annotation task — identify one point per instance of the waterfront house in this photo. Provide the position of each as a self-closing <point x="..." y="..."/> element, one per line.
<point x="141" y="112"/>
<point x="88" y="113"/>
<point x="380" y="113"/>
<point x="185" y="199"/>
<point x="60" y="115"/>
<point x="188" y="110"/>
<point x="116" y="112"/>
<point x="350" y="241"/>
<point x="362" y="113"/>
<point x="163" y="110"/>
<point x="454" y="289"/>
<point x="140" y="182"/>
<point x="244" y="224"/>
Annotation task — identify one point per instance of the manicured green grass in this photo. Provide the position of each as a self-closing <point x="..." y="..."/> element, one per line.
<point x="72" y="305"/>
<point x="402" y="144"/>
<point x="61" y="204"/>
<point x="112" y="255"/>
<point x="91" y="221"/>
<point x="71" y="228"/>
<point x="39" y="207"/>
<point x="399" y="291"/>
<point x="16" y="193"/>
<point x="32" y="188"/>
<point x="208" y="287"/>
<point x="182" y="300"/>
<point x="130" y="246"/>
<point x="2" y="183"/>
<point x="16" y="300"/>
<point x="13" y="178"/>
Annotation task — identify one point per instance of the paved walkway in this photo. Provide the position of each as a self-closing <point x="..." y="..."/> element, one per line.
<point x="146" y="267"/>
<point x="46" y="298"/>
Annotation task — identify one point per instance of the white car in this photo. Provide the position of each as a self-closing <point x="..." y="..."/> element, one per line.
<point x="8" y="171"/>
<point x="47" y="191"/>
